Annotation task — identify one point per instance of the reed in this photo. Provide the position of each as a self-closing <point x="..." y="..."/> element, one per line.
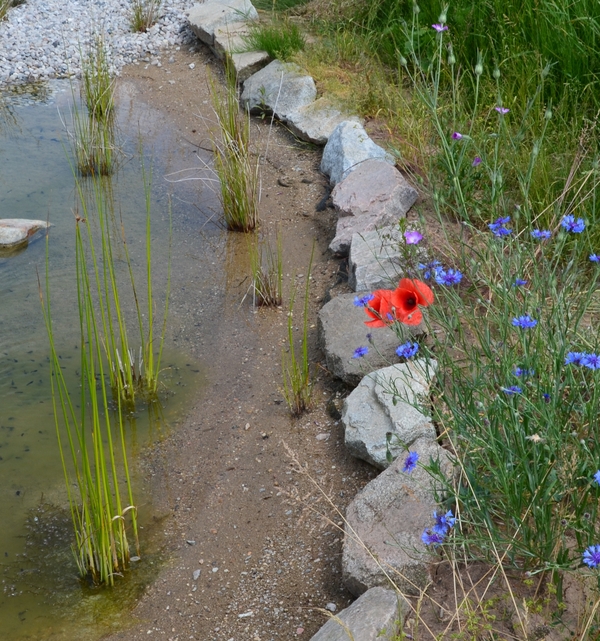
<point x="266" y="265"/>
<point x="144" y="13"/>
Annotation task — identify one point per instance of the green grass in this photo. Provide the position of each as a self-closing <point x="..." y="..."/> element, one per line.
<point x="278" y="5"/>
<point x="266" y="265"/>
<point x="6" y="5"/>
<point x="144" y="13"/>
<point x="279" y="38"/>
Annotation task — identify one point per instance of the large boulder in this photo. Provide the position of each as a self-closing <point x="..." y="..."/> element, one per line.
<point x="18" y="231"/>
<point x="374" y="616"/>
<point x="373" y="196"/>
<point x="229" y="44"/>
<point x="316" y="121"/>
<point x="348" y="146"/>
<point x="386" y="402"/>
<point x="281" y="88"/>
<point x="384" y="524"/>
<point x="209" y="16"/>
<point x="376" y="260"/>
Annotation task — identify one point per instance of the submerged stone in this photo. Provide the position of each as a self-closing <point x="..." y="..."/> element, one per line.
<point x="18" y="231"/>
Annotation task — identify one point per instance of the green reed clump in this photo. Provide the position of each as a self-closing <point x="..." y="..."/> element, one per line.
<point x="266" y="265"/>
<point x="236" y="169"/>
<point x="297" y="377"/>
<point x="144" y="13"/>
<point x="280" y="38"/>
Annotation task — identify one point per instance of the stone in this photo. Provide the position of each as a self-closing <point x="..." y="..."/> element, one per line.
<point x="342" y="329"/>
<point x="280" y="88"/>
<point x="316" y="121"/>
<point x="373" y="196"/>
<point x="18" y="231"/>
<point x="370" y="414"/>
<point x="384" y="524"/>
<point x="206" y="18"/>
<point x="374" y="616"/>
<point x="229" y="43"/>
<point x="348" y="146"/>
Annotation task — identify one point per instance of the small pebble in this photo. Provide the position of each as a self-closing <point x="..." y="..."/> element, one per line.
<point x="332" y="607"/>
<point x="196" y="574"/>
<point x="192" y="65"/>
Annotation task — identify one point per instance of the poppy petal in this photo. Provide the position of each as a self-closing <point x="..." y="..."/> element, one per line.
<point x="423" y="291"/>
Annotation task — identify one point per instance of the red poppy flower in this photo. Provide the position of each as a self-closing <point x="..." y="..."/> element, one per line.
<point x="380" y="309"/>
<point x="406" y="299"/>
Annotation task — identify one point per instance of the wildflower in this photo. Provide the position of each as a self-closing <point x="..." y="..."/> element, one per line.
<point x="410" y="462"/>
<point x="591" y="556"/>
<point x="363" y="301"/>
<point x="430" y="269"/>
<point x="512" y="390"/>
<point x="443" y="522"/>
<point x="476" y="161"/>
<point x="541" y="234"/>
<point x="502" y="110"/>
<point x="597" y="477"/>
<point x="359" y="352"/>
<point x="524" y="322"/>
<point x="534" y="438"/>
<point x="406" y="299"/>
<point x="518" y="372"/>
<point x="547" y="398"/>
<point x="429" y="537"/>
<point x="572" y="224"/>
<point x="498" y="228"/>
<point x="380" y="309"/>
<point x="456" y="136"/>
<point x="413" y="237"/>
<point x="592" y="361"/>
<point x="519" y="282"/>
<point x="575" y="358"/>
<point x="440" y="27"/>
<point x="448" y="277"/>
<point x="408" y="350"/>
<point x="595" y="258"/>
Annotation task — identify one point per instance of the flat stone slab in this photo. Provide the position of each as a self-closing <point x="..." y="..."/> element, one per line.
<point x="373" y="196"/>
<point x="386" y="520"/>
<point x="370" y="414"/>
<point x="229" y="43"/>
<point x="17" y="231"/>
<point x="316" y="121"/>
<point x="348" y="146"/>
<point x="280" y="88"/>
<point x="374" y="616"/>
<point x="342" y="329"/>
<point x="206" y="18"/>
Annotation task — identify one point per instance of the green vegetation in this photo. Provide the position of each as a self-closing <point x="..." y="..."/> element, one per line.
<point x="266" y="265"/>
<point x="280" y="38"/>
<point x="144" y="13"/>
<point x="6" y="5"/>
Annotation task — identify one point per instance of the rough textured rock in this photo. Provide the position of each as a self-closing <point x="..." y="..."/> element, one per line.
<point x="374" y="616"/>
<point x="207" y="17"/>
<point x="342" y="329"/>
<point x="229" y="40"/>
<point x="375" y="259"/>
<point x="373" y="196"/>
<point x="369" y="412"/>
<point x="315" y="122"/>
<point x="386" y="520"/>
<point x="348" y="146"/>
<point x="281" y="88"/>
<point x="16" y="231"/>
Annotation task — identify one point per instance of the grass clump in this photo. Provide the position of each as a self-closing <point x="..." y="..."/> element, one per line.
<point x="6" y="5"/>
<point x="278" y="5"/>
<point x="144" y="14"/>
<point x="281" y="39"/>
<point x="237" y="171"/>
<point x="266" y="265"/>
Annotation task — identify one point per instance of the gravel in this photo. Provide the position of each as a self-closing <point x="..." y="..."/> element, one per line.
<point x="44" y="39"/>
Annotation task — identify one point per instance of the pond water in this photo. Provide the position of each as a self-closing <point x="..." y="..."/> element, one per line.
<point x="41" y="596"/>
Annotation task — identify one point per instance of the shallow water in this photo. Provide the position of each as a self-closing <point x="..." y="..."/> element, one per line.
<point x="41" y="596"/>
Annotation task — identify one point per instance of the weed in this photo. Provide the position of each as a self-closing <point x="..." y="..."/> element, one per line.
<point x="144" y="13"/>
<point x="266" y="265"/>
<point x="280" y="38"/>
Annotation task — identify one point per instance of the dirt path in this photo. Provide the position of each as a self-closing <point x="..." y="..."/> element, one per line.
<point x="233" y="506"/>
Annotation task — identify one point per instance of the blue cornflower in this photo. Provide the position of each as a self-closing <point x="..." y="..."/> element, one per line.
<point x="443" y="522"/>
<point x="497" y="227"/>
<point x="547" y="398"/>
<point x="430" y="537"/>
<point x="513" y="389"/>
<point x="595" y="258"/>
<point x="408" y="350"/>
<point x="363" y="301"/>
<point x="524" y="322"/>
<point x="410" y="462"/>
<point x="591" y="556"/>
<point x="541" y="234"/>
<point x="523" y="372"/>
<point x="519" y="282"/>
<point x="575" y="358"/>
<point x="359" y="352"/>
<point x="592" y="361"/>
<point x="572" y="224"/>
<point x="430" y="269"/>
<point x="597" y="477"/>
<point x="448" y="277"/>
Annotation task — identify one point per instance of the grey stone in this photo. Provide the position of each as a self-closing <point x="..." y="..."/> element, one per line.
<point x="348" y="146"/>
<point x="374" y="616"/>
<point x="281" y="88"/>
<point x="369" y="412"/>
<point x="17" y="231"/>
<point x="229" y="43"/>
<point x="316" y="121"/>
<point x="373" y="196"/>
<point x="384" y="524"/>
<point x="206" y="18"/>
<point x="342" y="329"/>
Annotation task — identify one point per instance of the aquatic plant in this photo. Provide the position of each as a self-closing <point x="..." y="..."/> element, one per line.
<point x="266" y="265"/>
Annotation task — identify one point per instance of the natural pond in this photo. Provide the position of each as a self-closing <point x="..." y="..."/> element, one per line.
<point x="41" y="595"/>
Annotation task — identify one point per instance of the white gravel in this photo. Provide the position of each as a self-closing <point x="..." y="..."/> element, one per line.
<point x="44" y="39"/>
